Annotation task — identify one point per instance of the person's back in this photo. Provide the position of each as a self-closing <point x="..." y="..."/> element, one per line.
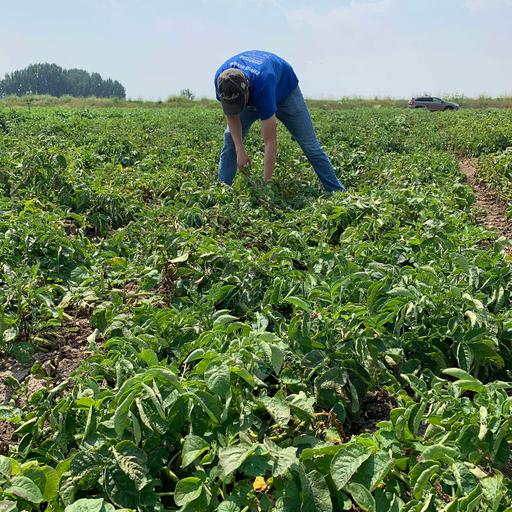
<point x="271" y="79"/>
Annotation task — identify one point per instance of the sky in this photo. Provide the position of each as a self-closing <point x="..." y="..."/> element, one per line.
<point x="338" y="48"/>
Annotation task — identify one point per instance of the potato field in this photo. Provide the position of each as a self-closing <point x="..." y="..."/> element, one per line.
<point x="168" y="343"/>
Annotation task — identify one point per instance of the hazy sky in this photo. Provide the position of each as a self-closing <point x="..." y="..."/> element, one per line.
<point x="337" y="47"/>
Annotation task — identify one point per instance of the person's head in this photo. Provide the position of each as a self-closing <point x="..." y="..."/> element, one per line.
<point x="233" y="91"/>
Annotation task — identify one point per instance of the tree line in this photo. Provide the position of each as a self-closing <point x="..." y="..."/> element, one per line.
<point x="53" y="80"/>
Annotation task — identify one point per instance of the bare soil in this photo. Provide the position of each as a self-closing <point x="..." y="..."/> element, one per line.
<point x="376" y="407"/>
<point x="490" y="209"/>
<point x="62" y="359"/>
<point x="7" y="437"/>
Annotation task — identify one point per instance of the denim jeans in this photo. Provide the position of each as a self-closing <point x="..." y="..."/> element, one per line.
<point x="294" y="114"/>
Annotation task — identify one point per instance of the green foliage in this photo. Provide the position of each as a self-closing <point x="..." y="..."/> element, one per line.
<point x="246" y="331"/>
<point x="495" y="170"/>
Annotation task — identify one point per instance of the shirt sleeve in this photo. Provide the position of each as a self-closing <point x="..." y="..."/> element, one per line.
<point x="215" y="85"/>
<point x="265" y="98"/>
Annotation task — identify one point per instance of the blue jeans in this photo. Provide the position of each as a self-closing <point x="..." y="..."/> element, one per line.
<point x="294" y="114"/>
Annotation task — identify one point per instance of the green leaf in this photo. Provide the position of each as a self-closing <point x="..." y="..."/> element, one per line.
<point x="136" y="428"/>
<point x="422" y="480"/>
<point x="373" y="471"/>
<point x="47" y="479"/>
<point x="246" y="376"/>
<point x="187" y="490"/>
<point x="22" y="351"/>
<point x="193" y="447"/>
<point x="301" y="402"/>
<point x="86" y="505"/>
<point x="149" y="356"/>
<point x="316" y="495"/>
<point x="464" y="355"/>
<point x="255" y="465"/>
<point x="132" y="462"/>
<point x="441" y="452"/>
<point x="458" y="374"/>
<point x="232" y="457"/>
<point x="210" y="405"/>
<point x="463" y="477"/>
<point x="218" y="379"/>
<point x="277" y="358"/>
<point x="8" y="506"/>
<point x="321" y="451"/>
<point x="347" y="461"/>
<point x="120" y="489"/>
<point x="361" y="496"/>
<point x="299" y="303"/>
<point x="228" y="506"/>
<point x="163" y="374"/>
<point x="60" y="161"/>
<point x="222" y="320"/>
<point x="278" y="409"/>
<point x="286" y="458"/>
<point x="396" y="505"/>
<point x="494" y="489"/>
<point x="26" y="489"/>
<point x="5" y="466"/>
<point x="469" y="385"/>
<point x="121" y="419"/>
<point x="471" y="502"/>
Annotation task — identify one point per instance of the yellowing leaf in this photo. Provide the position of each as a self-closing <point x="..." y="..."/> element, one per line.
<point x="259" y="484"/>
<point x="182" y="258"/>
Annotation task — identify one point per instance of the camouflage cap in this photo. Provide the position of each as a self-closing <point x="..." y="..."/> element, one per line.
<point x="232" y="86"/>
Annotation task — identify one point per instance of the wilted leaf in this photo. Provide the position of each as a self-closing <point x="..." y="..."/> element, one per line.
<point x="132" y="461"/>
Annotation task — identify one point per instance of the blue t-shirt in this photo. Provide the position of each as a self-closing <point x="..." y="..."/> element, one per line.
<point x="271" y="79"/>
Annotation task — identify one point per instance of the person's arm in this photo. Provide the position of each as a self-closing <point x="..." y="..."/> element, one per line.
<point x="269" y="131"/>
<point x="235" y="128"/>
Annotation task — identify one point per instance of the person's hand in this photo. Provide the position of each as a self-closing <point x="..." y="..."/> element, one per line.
<point x="242" y="159"/>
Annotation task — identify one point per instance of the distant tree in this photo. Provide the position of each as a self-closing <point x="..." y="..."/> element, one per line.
<point x="118" y="90"/>
<point x="36" y="79"/>
<point x="56" y="81"/>
<point x="188" y="94"/>
<point x="79" y="82"/>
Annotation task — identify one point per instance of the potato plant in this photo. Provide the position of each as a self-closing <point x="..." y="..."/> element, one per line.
<point x="261" y="347"/>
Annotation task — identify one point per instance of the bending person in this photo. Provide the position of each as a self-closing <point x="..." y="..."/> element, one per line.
<point x="260" y="85"/>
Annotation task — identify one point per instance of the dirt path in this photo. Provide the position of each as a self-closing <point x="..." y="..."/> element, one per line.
<point x="491" y="210"/>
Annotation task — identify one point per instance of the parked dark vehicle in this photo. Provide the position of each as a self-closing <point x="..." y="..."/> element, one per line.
<point x="433" y="104"/>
